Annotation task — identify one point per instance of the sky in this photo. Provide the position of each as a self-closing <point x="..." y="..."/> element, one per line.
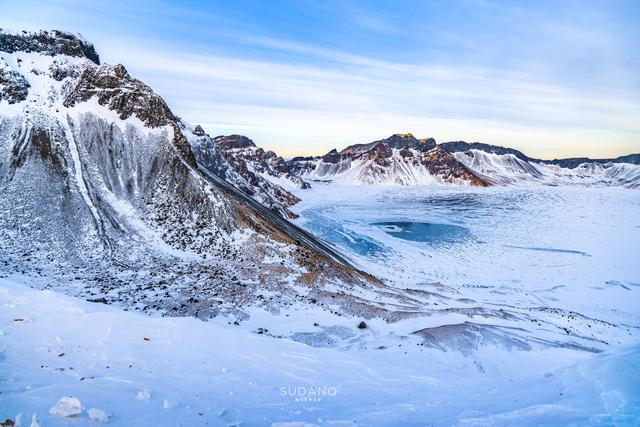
<point x="553" y="79"/>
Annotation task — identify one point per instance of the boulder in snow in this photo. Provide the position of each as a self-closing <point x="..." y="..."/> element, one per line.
<point x="98" y="415"/>
<point x="66" y="407"/>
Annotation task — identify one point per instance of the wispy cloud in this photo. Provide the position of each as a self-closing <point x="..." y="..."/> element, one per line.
<point x="310" y="108"/>
<point x="302" y="90"/>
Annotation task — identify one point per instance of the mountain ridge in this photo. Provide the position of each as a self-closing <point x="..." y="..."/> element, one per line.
<point x="100" y="186"/>
<point x="406" y="160"/>
<point x="398" y="159"/>
<point x="569" y="162"/>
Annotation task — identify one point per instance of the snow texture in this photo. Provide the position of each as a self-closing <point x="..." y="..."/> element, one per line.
<point x="98" y="354"/>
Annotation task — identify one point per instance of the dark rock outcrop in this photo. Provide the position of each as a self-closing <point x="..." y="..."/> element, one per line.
<point x="115" y="89"/>
<point x="50" y="43"/>
<point x="13" y="86"/>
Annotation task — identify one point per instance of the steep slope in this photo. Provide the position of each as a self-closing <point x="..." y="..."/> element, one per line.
<point x="500" y="165"/>
<point x="502" y="169"/>
<point x="260" y="174"/>
<point x="400" y="159"/>
<point x="99" y="185"/>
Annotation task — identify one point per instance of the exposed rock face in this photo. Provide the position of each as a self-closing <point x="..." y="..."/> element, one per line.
<point x="399" y="159"/>
<point x="260" y="174"/>
<point x="397" y="141"/>
<point x="115" y="89"/>
<point x="98" y="184"/>
<point x="50" y="43"/>
<point x="13" y="86"/>
<point x="441" y="163"/>
<point x="331" y="157"/>
<point x="232" y="142"/>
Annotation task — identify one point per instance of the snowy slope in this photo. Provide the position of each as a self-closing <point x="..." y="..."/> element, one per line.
<point x="262" y="175"/>
<point x="506" y="169"/>
<point x="174" y="371"/>
<point x="500" y="168"/>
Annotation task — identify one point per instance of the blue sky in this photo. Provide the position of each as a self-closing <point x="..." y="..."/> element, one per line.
<point x="554" y="79"/>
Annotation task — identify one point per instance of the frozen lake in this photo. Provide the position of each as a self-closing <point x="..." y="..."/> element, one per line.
<point x="509" y="245"/>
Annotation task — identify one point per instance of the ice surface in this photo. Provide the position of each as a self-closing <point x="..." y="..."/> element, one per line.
<point x="573" y="248"/>
<point x="544" y="278"/>
<point x="434" y="234"/>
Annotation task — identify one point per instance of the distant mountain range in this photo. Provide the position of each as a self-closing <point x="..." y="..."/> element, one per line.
<point x="572" y="162"/>
<point x="403" y="159"/>
<point x="504" y="166"/>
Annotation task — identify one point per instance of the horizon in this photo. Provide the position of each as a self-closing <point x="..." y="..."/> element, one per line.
<point x="553" y="81"/>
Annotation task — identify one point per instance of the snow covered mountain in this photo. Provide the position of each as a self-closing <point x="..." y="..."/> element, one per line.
<point x="506" y="166"/>
<point x="260" y="174"/>
<point x="399" y="159"/>
<point x="405" y="160"/>
<point x="99" y="185"/>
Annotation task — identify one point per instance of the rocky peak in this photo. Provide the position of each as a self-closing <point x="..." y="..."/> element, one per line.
<point x="462" y="146"/>
<point x="115" y="89"/>
<point x="198" y="131"/>
<point x="396" y="141"/>
<point x="407" y="140"/>
<point x="257" y="173"/>
<point x="48" y="43"/>
<point x="233" y="141"/>
<point x="332" y="157"/>
<point x="400" y="139"/>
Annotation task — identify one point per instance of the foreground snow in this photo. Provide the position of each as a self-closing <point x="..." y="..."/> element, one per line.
<point x="190" y="372"/>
